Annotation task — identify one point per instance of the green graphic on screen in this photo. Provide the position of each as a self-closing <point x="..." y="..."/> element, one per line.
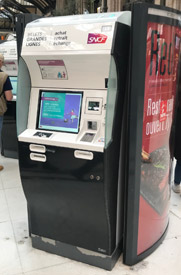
<point x="54" y="105"/>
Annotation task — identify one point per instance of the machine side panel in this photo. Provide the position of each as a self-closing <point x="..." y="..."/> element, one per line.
<point x="120" y="52"/>
<point x="23" y="96"/>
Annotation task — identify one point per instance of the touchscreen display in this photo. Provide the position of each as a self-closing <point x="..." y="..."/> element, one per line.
<point x="14" y="80"/>
<point x="60" y="111"/>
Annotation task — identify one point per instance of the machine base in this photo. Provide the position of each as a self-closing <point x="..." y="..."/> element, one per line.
<point x="76" y="253"/>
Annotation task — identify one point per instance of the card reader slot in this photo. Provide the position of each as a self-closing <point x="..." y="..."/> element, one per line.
<point x="83" y="155"/>
<point x="37" y="148"/>
<point x="38" y="157"/>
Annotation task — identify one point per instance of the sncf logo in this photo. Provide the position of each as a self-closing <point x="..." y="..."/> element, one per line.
<point x="94" y="38"/>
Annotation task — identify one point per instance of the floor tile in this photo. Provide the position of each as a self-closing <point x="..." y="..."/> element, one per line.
<point x="175" y="206"/>
<point x="9" y="257"/>
<point x="72" y="268"/>
<point x="174" y="229"/>
<point x="4" y="212"/>
<point x="17" y="203"/>
<point x="165" y="260"/>
<point x="32" y="258"/>
<point x="1" y="184"/>
<point x="10" y="175"/>
<point x="17" y="257"/>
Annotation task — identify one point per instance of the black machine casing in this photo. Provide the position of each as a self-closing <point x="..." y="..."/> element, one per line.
<point x="9" y="146"/>
<point x="72" y="200"/>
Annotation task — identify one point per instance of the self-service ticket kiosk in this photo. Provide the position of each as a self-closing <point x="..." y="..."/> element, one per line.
<point x="9" y="134"/>
<point x="9" y="50"/>
<point x="71" y="92"/>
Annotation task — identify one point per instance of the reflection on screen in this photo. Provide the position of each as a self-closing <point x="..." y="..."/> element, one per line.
<point x="14" y="80"/>
<point x="60" y="111"/>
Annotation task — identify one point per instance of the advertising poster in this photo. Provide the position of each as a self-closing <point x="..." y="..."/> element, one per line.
<point x="162" y="57"/>
<point x="153" y="85"/>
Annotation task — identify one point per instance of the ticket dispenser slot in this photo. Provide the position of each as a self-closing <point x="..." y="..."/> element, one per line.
<point x="92" y="125"/>
<point x="83" y="155"/>
<point x="37" y="148"/>
<point x="38" y="157"/>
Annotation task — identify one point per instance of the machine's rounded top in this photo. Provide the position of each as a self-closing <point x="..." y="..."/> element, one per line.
<point x="82" y="18"/>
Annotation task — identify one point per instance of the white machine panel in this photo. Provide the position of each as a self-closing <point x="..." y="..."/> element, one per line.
<point x="9" y="50"/>
<point x="72" y="33"/>
<point x="77" y="70"/>
<point x="69" y="55"/>
<point x="69" y="38"/>
<point x="71" y="50"/>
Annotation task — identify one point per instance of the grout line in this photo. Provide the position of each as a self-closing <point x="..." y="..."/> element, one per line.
<point x="175" y="215"/>
<point x="14" y="235"/>
<point x="50" y="266"/>
<point x="10" y="188"/>
<point x="4" y="221"/>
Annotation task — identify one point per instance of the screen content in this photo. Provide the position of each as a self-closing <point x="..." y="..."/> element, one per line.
<point x="14" y="80"/>
<point x="60" y="111"/>
<point x="93" y="106"/>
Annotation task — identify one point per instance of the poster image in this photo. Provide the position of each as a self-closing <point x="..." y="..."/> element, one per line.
<point x="161" y="77"/>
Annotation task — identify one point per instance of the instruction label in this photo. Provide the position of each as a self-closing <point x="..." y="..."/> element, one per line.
<point x="53" y="69"/>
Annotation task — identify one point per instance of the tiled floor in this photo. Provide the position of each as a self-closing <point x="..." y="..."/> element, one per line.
<point x="17" y="257"/>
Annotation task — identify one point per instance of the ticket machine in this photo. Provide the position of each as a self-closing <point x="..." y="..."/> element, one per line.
<point x="9" y="134"/>
<point x="71" y="92"/>
<point x="9" y="50"/>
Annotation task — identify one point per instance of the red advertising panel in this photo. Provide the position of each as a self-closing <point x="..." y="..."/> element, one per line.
<point x="162" y="56"/>
<point x="153" y="82"/>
